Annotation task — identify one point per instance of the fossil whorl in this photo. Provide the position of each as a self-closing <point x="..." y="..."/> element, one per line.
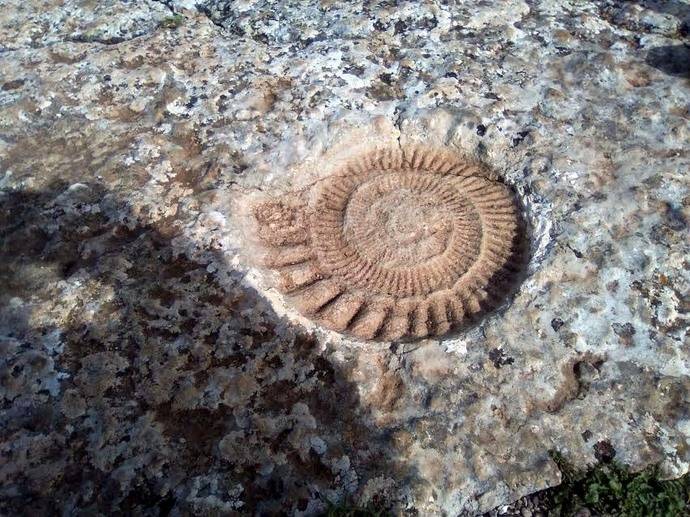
<point x="396" y="244"/>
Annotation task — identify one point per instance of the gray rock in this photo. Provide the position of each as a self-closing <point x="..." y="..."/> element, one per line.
<point x="148" y="364"/>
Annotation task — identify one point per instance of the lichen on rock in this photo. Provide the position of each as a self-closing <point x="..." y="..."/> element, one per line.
<point x="148" y="366"/>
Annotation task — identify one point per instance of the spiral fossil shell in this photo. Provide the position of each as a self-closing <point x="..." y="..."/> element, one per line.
<point x="396" y="244"/>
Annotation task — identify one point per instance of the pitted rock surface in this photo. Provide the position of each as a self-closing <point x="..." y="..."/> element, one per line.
<point x="148" y="367"/>
<point x="398" y="243"/>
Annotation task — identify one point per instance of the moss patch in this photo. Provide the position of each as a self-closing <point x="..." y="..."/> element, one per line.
<point x="346" y="510"/>
<point x="609" y="488"/>
<point x="172" y="22"/>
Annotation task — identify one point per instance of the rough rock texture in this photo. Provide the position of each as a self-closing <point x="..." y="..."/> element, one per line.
<point x="146" y="365"/>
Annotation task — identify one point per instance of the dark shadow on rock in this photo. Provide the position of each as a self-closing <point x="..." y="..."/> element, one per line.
<point x="626" y="14"/>
<point x="671" y="59"/>
<point x="676" y="8"/>
<point x="135" y="379"/>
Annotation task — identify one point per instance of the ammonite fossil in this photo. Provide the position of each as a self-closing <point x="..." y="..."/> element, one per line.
<point x="396" y="244"/>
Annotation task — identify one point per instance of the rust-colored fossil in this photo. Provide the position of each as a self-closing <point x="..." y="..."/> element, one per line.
<point x="396" y="244"/>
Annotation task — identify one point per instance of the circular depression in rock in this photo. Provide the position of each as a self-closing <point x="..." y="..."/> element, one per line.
<point x="396" y="244"/>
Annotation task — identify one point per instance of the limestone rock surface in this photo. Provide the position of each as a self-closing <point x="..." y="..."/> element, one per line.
<point x="149" y="366"/>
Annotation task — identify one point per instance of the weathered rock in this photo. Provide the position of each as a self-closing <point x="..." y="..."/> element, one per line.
<point x="148" y="366"/>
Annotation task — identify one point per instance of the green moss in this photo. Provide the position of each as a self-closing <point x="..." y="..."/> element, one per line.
<point x="346" y="510"/>
<point x="606" y="489"/>
<point x="172" y="22"/>
<point x="611" y="489"/>
<point x="88" y="37"/>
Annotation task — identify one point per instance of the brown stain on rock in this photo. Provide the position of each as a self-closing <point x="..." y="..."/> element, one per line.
<point x="388" y="392"/>
<point x="576" y="373"/>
